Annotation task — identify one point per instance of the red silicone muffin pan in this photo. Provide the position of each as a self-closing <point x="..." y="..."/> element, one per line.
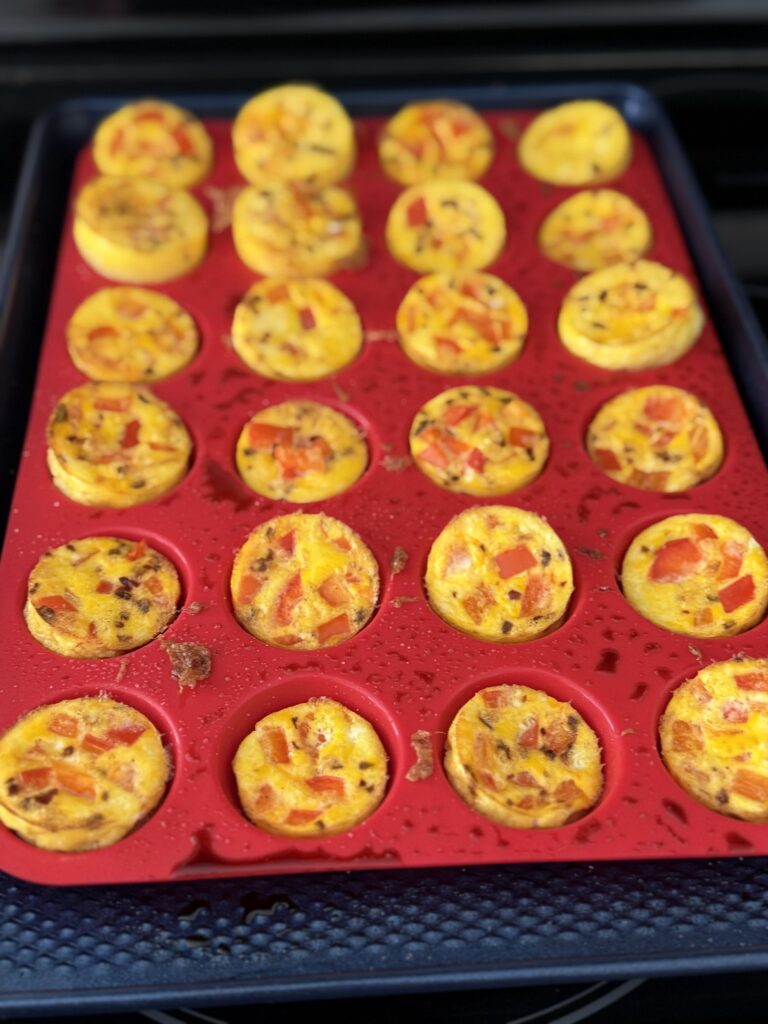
<point x="406" y="670"/>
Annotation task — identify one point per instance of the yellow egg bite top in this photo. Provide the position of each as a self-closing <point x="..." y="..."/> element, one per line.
<point x="462" y="323"/>
<point x="500" y="574"/>
<point x="139" y="230"/>
<point x="592" y="230"/>
<point x="296" y="330"/>
<point x="583" y="142"/>
<point x="304" y="581"/>
<point x="130" y="334"/>
<point x="153" y="139"/>
<point x="630" y="317"/>
<point x="448" y="226"/>
<point x="700" y="575"/>
<point x="479" y="440"/>
<point x="657" y="438"/>
<point x="714" y="737"/>
<point x="294" y="133"/>
<point x="435" y="139"/>
<point x="300" y="452"/>
<point x="100" y="596"/>
<point x="115" y="445"/>
<point x="524" y="759"/>
<point x="80" y="774"/>
<point x="313" y="769"/>
<point x="281" y="230"/>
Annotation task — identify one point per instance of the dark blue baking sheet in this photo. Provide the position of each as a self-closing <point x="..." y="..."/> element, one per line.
<point x="362" y="934"/>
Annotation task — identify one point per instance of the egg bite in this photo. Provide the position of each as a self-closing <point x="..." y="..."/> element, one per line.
<point x="500" y="574"/>
<point x="482" y="441"/>
<point x="130" y="334"/>
<point x="304" y="581"/>
<point x="523" y="759"/>
<point x="699" y="575"/>
<point x="100" y="596"/>
<point x="595" y="229"/>
<point x="115" y="445"/>
<point x="435" y="139"/>
<point x="447" y="226"/>
<point x="294" y="133"/>
<point x="465" y="323"/>
<point x="584" y="142"/>
<point x="630" y="317"/>
<point x="714" y="737"/>
<point x="138" y="230"/>
<point x="300" y="452"/>
<point x="657" y="438"/>
<point x="81" y="774"/>
<point x="281" y="230"/>
<point x="153" y="139"/>
<point x="296" y="330"/>
<point x="313" y="769"/>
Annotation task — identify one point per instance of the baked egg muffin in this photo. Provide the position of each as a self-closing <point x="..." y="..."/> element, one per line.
<point x="311" y="770"/>
<point x="466" y="323"/>
<point x="296" y="330"/>
<point x="300" y="451"/>
<point x="696" y="574"/>
<point x="139" y="230"/>
<point x="115" y="445"/>
<point x="584" y="142"/>
<point x="447" y="226"/>
<point x="479" y="440"/>
<point x="657" y="438"/>
<point x="80" y="774"/>
<point x="500" y="574"/>
<point x="595" y="229"/>
<point x="305" y="581"/>
<point x="100" y="596"/>
<point x="523" y="759"/>
<point x="630" y="317"/>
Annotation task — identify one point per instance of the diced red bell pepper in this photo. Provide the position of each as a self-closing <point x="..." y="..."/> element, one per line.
<point x="754" y="681"/>
<point x="737" y="594"/>
<point x="63" y="725"/>
<point x="447" y="346"/>
<point x="149" y="115"/>
<point x="606" y="459"/>
<point x="183" y="141"/>
<point x="153" y="585"/>
<point x="104" y="587"/>
<point x="301" y="817"/>
<point x="655" y="481"/>
<point x="519" y="437"/>
<point x="275" y="743"/>
<point x="661" y="407"/>
<point x="287" y="640"/>
<point x="117" y="141"/>
<point x="514" y="560"/>
<point x="686" y="738"/>
<point x="417" y="214"/>
<point x="560" y="735"/>
<point x="736" y="712"/>
<point x="703" y="531"/>
<point x="733" y="556"/>
<point x="699" y="442"/>
<point x="279" y="293"/>
<point x="675" y="560"/>
<point x="264" y="797"/>
<point x="703" y="617"/>
<point x="333" y="591"/>
<point x="35" y="778"/>
<point x="265" y="435"/>
<point x="129" y="308"/>
<point x="113" y="404"/>
<point x="476" y="460"/>
<point x="95" y="744"/>
<point x="158" y="446"/>
<point x="287" y="542"/>
<point x="289" y="597"/>
<point x="476" y="603"/>
<point x="494" y="698"/>
<point x="751" y="784"/>
<point x="568" y="792"/>
<point x="130" y="436"/>
<point x="433" y="455"/>
<point x="76" y="782"/>
<point x="529" y="735"/>
<point x="102" y="332"/>
<point x="456" y="413"/>
<point x="126" y="735"/>
<point x="334" y="627"/>
<point x="55" y="602"/>
<point x="138" y="550"/>
<point x="331" y="784"/>
<point x="307" y="318"/>
<point x="537" y="597"/>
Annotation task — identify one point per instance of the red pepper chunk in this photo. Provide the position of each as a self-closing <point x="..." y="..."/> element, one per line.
<point x="675" y="560"/>
<point x="104" y="587"/>
<point x="476" y="460"/>
<point x="76" y="782"/>
<point x="183" y="141"/>
<point x="568" y="792"/>
<point x="537" y="597"/>
<point x="265" y="435"/>
<point x="279" y="293"/>
<point x="138" y="550"/>
<point x="63" y="725"/>
<point x="519" y="437"/>
<point x="606" y="460"/>
<point x="102" y="332"/>
<point x="289" y="597"/>
<point x="752" y="785"/>
<point x="153" y="585"/>
<point x="656" y="481"/>
<point x="113" y="404"/>
<point x="330" y="784"/>
<point x="301" y="817"/>
<point x="333" y="591"/>
<point x="334" y="627"/>
<point x="514" y="560"/>
<point x="417" y="213"/>
<point x="703" y="532"/>
<point x="275" y="744"/>
<point x="125" y="735"/>
<point x="433" y="455"/>
<point x="149" y="115"/>
<point x="755" y="681"/>
<point x="55" y="602"/>
<point x="529" y="736"/>
<point x="307" y="318"/>
<point x="737" y="594"/>
<point x="733" y="556"/>
<point x="447" y="346"/>
<point x="130" y="436"/>
<point x="117" y="141"/>
<point x="35" y="778"/>
<point x="736" y="712"/>
<point x="287" y="542"/>
<point x="659" y="407"/>
<point x="494" y="698"/>
<point x="95" y="744"/>
<point x="456" y="413"/>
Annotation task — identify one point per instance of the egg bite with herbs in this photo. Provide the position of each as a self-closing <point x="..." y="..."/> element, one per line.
<point x="595" y="229"/>
<point x="283" y="231"/>
<point x="697" y="574"/>
<point x="465" y="323"/>
<point x="435" y="139"/>
<point x="294" y="133"/>
<point x="657" y="438"/>
<point x="296" y="329"/>
<point x="100" y="596"/>
<point x="311" y="770"/>
<point x="305" y="581"/>
<point x="300" y="451"/>
<point x="482" y="441"/>
<point x="446" y="226"/>
<point x="500" y="574"/>
<point x="139" y="231"/>
<point x="81" y="774"/>
<point x="630" y="317"/>
<point x="714" y="737"/>
<point x="115" y="445"/>
<point x="583" y="142"/>
<point x="130" y="334"/>
<point x="523" y="759"/>
<point x="153" y="139"/>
